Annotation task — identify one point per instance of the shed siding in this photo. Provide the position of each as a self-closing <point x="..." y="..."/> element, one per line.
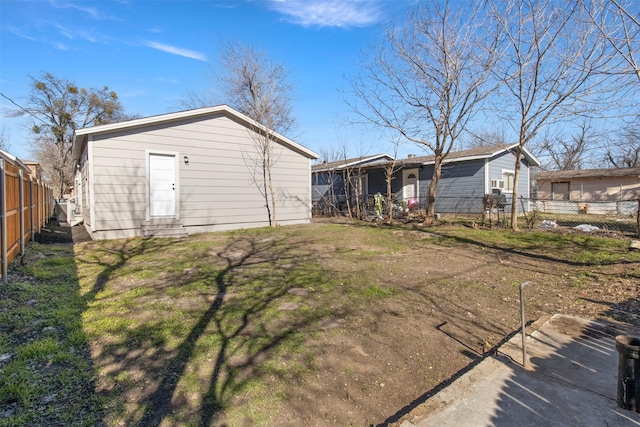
<point x="216" y="189"/>
<point x="605" y="189"/>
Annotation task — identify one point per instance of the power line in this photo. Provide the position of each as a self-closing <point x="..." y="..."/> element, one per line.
<point x="22" y="108"/>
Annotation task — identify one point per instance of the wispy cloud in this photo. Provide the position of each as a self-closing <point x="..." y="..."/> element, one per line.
<point x="91" y="11"/>
<point x="328" y="13"/>
<point x="20" y="33"/>
<point x="73" y="34"/>
<point x="175" y="50"/>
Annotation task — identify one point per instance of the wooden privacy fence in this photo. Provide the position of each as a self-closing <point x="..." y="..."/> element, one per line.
<point x="25" y="205"/>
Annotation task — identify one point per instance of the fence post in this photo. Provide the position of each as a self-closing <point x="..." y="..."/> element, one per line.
<point x="524" y="336"/>
<point x="33" y="239"/>
<point x="3" y="221"/>
<point x="21" y="190"/>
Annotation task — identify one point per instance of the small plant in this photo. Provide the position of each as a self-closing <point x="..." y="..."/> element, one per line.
<point x="531" y="216"/>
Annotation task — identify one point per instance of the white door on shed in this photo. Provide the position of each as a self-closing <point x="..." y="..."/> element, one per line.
<point x="162" y="185"/>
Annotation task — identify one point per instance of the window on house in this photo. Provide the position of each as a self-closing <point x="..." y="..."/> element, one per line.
<point x="505" y="184"/>
<point x="560" y="190"/>
<point x="362" y="185"/>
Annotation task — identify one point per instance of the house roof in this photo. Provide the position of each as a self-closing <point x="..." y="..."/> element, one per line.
<point x="474" y="154"/>
<point x="82" y="134"/>
<point x="353" y="162"/>
<point x="454" y="156"/>
<point x="587" y="173"/>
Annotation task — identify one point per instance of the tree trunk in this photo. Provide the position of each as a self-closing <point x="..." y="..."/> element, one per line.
<point x="389" y="177"/>
<point x="516" y="179"/>
<point x="266" y="189"/>
<point x="431" y="195"/>
<point x="274" y="220"/>
<point x="347" y="196"/>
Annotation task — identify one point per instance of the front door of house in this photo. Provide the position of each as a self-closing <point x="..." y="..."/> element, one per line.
<point x="162" y="185"/>
<point x="410" y="185"/>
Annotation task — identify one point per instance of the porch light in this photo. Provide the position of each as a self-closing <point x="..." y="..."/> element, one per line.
<point x="186" y="160"/>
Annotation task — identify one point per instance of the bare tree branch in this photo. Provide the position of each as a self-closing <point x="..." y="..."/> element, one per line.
<point x="554" y="67"/>
<point x="427" y="79"/>
<point x="259" y="88"/>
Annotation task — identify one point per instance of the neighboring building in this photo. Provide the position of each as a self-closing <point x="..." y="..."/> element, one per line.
<point x="466" y="177"/>
<point x="35" y="167"/>
<point x="185" y="172"/>
<point x="328" y="178"/>
<point x="589" y="185"/>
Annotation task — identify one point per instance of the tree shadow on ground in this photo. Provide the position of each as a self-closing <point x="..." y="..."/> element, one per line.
<point x="234" y="325"/>
<point x="572" y="379"/>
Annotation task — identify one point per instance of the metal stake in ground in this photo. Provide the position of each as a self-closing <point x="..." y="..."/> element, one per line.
<point x="524" y="337"/>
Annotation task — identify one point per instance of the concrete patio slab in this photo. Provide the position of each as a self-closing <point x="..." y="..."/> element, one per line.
<point x="570" y="379"/>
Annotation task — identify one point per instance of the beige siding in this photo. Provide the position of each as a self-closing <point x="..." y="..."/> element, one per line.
<point x="216" y="189"/>
<point x="611" y="189"/>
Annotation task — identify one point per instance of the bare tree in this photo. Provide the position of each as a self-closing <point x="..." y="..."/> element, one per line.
<point x="390" y="169"/>
<point x="619" y="27"/>
<point x="328" y="203"/>
<point x="427" y="79"/>
<point x="486" y="138"/>
<point x="568" y="153"/>
<point x="552" y="66"/>
<point x="57" y="107"/>
<point x="4" y="140"/>
<point x="259" y="88"/>
<point x="352" y="178"/>
<point x="624" y="150"/>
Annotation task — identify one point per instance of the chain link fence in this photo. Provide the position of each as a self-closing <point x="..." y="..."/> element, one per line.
<point x="606" y="216"/>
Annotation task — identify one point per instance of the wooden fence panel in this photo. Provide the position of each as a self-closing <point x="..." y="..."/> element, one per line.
<point x="25" y="206"/>
<point x="26" y="210"/>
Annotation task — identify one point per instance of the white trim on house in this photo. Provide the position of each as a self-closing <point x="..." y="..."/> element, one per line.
<point x="92" y="196"/>
<point x="79" y="133"/>
<point x="451" y="158"/>
<point x="339" y="165"/>
<point x="487" y="177"/>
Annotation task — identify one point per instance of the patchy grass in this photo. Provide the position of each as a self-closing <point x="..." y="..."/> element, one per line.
<point x="579" y="248"/>
<point x="46" y="377"/>
<point x="331" y="324"/>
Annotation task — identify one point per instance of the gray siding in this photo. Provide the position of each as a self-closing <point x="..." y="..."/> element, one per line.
<point x="507" y="161"/>
<point x="460" y="188"/>
<point x="377" y="182"/>
<point x="321" y="183"/>
<point x="216" y="190"/>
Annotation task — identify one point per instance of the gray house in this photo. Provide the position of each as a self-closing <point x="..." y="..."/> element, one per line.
<point x="467" y="176"/>
<point x="186" y="172"/>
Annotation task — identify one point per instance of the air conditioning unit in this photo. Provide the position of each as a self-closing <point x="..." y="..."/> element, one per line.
<point x="497" y="183"/>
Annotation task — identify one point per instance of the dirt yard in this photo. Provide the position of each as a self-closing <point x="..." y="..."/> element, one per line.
<point x="392" y="315"/>
<point x="456" y="304"/>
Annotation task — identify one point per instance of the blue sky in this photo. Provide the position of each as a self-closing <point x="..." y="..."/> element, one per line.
<point x="153" y="53"/>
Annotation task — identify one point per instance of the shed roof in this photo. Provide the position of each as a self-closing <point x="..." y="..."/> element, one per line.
<point x="82" y="134"/>
<point x="588" y="173"/>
